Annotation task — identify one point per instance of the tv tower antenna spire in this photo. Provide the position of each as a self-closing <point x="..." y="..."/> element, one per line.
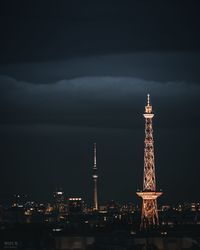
<point x="149" y="195"/>
<point x="95" y="177"/>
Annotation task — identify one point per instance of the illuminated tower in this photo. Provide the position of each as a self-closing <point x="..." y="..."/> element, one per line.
<point x="149" y="195"/>
<point x="95" y="177"/>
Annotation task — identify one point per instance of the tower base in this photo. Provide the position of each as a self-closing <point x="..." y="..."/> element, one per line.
<point x="149" y="217"/>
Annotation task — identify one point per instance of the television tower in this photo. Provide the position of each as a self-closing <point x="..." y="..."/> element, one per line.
<point x="95" y="177"/>
<point x="149" y="195"/>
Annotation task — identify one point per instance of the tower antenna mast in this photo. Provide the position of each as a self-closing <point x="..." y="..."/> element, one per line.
<point x="95" y="177"/>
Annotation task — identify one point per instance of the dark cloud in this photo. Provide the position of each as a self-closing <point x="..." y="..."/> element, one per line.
<point x="153" y="66"/>
<point x="69" y="29"/>
<point x="96" y="101"/>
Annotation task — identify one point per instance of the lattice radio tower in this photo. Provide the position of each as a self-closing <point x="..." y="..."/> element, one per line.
<point x="149" y="195"/>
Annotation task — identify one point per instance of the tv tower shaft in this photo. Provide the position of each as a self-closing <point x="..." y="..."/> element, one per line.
<point x="95" y="177"/>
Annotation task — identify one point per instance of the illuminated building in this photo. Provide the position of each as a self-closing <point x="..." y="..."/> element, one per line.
<point x="59" y="205"/>
<point x="95" y="177"/>
<point x="59" y="200"/>
<point x="58" y="197"/>
<point x="19" y="200"/>
<point x="149" y="195"/>
<point x="75" y="205"/>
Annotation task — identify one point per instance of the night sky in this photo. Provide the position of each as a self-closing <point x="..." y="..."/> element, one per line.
<point x="77" y="72"/>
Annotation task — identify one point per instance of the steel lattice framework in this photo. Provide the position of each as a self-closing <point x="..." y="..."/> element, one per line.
<point x="149" y="195"/>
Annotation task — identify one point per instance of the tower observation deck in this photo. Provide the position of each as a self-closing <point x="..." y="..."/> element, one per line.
<point x="149" y="195"/>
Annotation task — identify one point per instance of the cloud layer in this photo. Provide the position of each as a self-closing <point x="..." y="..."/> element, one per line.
<point x="97" y="101"/>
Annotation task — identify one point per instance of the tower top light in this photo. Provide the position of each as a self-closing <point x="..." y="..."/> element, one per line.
<point x="148" y="99"/>
<point x="95" y="155"/>
<point x="148" y="109"/>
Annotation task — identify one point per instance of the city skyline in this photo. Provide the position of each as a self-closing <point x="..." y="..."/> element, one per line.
<point x="78" y="73"/>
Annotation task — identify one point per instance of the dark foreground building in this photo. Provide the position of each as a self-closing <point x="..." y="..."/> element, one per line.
<point x="116" y="236"/>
